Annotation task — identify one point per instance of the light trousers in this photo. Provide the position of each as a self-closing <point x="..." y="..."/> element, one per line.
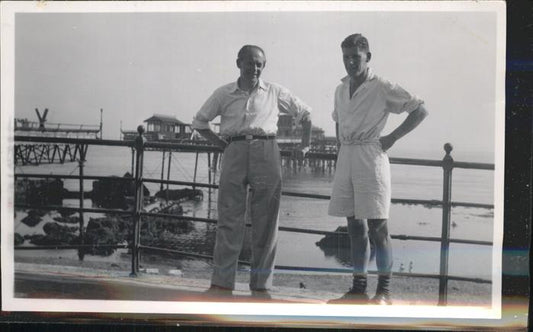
<point x="253" y="164"/>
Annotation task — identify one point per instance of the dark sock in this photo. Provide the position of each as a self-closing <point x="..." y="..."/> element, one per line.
<point x="359" y="284"/>
<point x="383" y="285"/>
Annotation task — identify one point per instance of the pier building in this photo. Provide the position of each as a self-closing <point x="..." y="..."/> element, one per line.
<point x="160" y="127"/>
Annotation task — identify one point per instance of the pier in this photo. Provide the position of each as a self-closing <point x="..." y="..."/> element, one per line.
<point x="36" y="152"/>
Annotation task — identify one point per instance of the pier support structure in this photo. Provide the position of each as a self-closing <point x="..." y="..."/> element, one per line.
<point x="36" y="154"/>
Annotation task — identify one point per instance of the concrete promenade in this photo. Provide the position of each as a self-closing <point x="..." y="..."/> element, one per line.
<point x="106" y="282"/>
<point x="81" y="284"/>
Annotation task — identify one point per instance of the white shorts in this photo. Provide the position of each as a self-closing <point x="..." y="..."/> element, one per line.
<point x="361" y="186"/>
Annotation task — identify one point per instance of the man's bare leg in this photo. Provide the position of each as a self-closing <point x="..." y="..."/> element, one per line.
<point x="379" y="233"/>
<point x="360" y="252"/>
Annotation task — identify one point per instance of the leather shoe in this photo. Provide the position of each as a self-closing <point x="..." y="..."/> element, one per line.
<point x="381" y="299"/>
<point x="261" y="294"/>
<point x="351" y="297"/>
<point x="218" y="291"/>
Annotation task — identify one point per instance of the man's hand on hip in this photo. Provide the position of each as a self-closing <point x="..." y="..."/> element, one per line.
<point x="387" y="142"/>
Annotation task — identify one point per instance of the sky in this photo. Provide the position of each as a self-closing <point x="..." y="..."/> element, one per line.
<point x="135" y="64"/>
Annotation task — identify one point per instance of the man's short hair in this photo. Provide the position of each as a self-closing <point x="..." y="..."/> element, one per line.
<point x="247" y="48"/>
<point x="356" y="40"/>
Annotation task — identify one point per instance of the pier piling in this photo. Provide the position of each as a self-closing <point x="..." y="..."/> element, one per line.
<point x="162" y="170"/>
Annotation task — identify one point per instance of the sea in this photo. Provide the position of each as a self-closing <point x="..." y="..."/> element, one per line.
<point x="301" y="250"/>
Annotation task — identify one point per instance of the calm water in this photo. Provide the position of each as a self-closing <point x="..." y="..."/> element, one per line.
<point x="296" y="249"/>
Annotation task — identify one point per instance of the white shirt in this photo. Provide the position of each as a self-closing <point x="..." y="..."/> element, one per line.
<point x="249" y="113"/>
<point x="362" y="116"/>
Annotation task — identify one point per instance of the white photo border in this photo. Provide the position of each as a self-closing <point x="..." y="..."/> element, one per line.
<point x="365" y="314"/>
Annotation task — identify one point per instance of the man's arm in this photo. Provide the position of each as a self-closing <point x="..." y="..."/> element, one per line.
<point x="411" y="122"/>
<point x="302" y="150"/>
<point x="292" y="105"/>
<point x="209" y="135"/>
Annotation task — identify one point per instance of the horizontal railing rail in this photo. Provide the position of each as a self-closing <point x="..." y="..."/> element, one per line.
<point x="73" y="177"/>
<point x="72" y="140"/>
<point x="428" y="202"/>
<point x="77" y="246"/>
<point x="212" y="148"/>
<point x="73" y="209"/>
<point x="139" y="145"/>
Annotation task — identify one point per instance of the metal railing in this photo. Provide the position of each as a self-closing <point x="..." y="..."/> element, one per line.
<point x="140" y="145"/>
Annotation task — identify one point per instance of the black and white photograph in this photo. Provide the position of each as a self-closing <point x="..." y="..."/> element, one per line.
<point x="292" y="163"/>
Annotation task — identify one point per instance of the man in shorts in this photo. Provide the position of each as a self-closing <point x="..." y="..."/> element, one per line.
<point x="362" y="186"/>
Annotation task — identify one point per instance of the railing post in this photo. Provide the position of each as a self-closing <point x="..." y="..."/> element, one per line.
<point x="447" y="165"/>
<point x="139" y="148"/>
<point x="81" y="161"/>
<point x="209" y="168"/>
<point x="168" y="170"/>
<point x="195" y="171"/>
<point x="132" y="161"/>
<point x="162" y="171"/>
<point x="210" y="174"/>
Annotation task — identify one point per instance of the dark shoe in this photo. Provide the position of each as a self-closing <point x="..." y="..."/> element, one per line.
<point x="218" y="291"/>
<point x="381" y="299"/>
<point x="351" y="297"/>
<point x="382" y="296"/>
<point x="261" y="294"/>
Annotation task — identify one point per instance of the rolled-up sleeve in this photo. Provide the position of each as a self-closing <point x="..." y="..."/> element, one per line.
<point x="398" y="100"/>
<point x="288" y="103"/>
<point x="207" y="112"/>
<point x="334" y="115"/>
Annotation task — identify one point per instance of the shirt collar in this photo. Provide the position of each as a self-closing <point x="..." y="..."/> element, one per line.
<point x="369" y="77"/>
<point x="261" y="85"/>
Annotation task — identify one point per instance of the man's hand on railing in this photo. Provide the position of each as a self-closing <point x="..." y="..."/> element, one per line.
<point x="195" y="135"/>
<point x="300" y="152"/>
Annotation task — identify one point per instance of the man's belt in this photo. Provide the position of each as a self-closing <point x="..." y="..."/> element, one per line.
<point x="249" y="137"/>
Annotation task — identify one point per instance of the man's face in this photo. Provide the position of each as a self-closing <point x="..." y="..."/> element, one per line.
<point x="355" y="61"/>
<point x="251" y="65"/>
